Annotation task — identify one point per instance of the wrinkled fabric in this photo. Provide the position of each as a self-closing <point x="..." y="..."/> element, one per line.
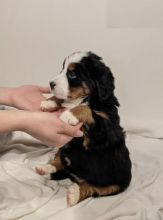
<point x="27" y="196"/>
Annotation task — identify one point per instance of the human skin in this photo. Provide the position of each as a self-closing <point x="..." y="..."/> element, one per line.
<point x="45" y="126"/>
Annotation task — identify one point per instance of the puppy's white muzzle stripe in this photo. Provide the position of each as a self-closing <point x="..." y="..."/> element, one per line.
<point x="61" y="89"/>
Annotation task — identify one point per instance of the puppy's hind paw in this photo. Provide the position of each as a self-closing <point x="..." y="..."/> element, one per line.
<point x="45" y="169"/>
<point x="73" y="195"/>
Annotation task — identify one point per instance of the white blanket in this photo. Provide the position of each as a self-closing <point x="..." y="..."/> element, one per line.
<point x="27" y="196"/>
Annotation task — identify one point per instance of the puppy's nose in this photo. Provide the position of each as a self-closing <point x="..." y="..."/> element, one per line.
<point x="52" y="84"/>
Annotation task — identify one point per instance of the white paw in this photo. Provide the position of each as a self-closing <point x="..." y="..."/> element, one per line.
<point x="73" y="195"/>
<point x="48" y="105"/>
<point x="45" y="169"/>
<point x="69" y="118"/>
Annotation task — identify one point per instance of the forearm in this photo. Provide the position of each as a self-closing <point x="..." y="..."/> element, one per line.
<point x="12" y="120"/>
<point x="45" y="126"/>
<point x="5" y="96"/>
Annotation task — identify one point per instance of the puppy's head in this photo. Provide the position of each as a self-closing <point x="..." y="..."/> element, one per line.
<point x="83" y="74"/>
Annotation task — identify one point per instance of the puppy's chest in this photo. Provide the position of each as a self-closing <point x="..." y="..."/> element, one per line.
<point x="76" y="111"/>
<point x="73" y="104"/>
<point x="81" y="112"/>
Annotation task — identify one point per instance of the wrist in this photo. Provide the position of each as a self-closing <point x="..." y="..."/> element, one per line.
<point x="24" y="120"/>
<point x="13" y="120"/>
<point x="28" y="121"/>
<point x="6" y="96"/>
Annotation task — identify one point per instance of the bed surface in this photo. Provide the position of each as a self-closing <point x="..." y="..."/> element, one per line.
<point x="27" y="196"/>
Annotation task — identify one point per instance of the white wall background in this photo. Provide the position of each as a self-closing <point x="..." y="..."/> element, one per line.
<point x="36" y="35"/>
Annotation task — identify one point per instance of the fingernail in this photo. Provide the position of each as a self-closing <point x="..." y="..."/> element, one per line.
<point x="79" y="134"/>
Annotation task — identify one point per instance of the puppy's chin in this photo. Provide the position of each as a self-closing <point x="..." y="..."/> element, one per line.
<point x="59" y="95"/>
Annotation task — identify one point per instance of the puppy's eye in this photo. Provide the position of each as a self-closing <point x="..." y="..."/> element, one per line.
<point x="72" y="75"/>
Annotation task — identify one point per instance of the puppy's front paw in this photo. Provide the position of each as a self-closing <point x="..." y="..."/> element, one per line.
<point x="73" y="195"/>
<point x="45" y="169"/>
<point x="68" y="117"/>
<point x="48" y="105"/>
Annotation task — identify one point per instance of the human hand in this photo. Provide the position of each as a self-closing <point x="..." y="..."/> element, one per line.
<point x="48" y="128"/>
<point x="28" y="97"/>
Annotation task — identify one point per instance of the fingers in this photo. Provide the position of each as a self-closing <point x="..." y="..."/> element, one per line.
<point x="67" y="137"/>
<point x="44" y="89"/>
<point x="58" y="112"/>
<point x="64" y="139"/>
<point x="79" y="133"/>
<point x="72" y="131"/>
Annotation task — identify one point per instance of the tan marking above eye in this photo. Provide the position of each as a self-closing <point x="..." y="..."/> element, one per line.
<point x="71" y="67"/>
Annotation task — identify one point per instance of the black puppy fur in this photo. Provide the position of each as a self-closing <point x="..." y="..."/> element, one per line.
<point x="106" y="160"/>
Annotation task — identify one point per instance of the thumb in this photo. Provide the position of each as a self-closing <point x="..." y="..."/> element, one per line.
<point x="72" y="131"/>
<point x="44" y="89"/>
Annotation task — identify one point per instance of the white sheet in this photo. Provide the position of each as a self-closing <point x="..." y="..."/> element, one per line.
<point x="27" y="196"/>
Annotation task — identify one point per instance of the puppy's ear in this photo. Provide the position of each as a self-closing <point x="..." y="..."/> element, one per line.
<point x="101" y="78"/>
<point x="104" y="83"/>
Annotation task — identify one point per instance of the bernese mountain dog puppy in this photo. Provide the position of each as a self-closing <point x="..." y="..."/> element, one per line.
<point x="98" y="163"/>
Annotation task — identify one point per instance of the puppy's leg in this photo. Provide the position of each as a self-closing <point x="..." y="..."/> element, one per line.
<point x="52" y="167"/>
<point x="83" y="113"/>
<point x="68" y="117"/>
<point x="77" y="114"/>
<point x="81" y="191"/>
